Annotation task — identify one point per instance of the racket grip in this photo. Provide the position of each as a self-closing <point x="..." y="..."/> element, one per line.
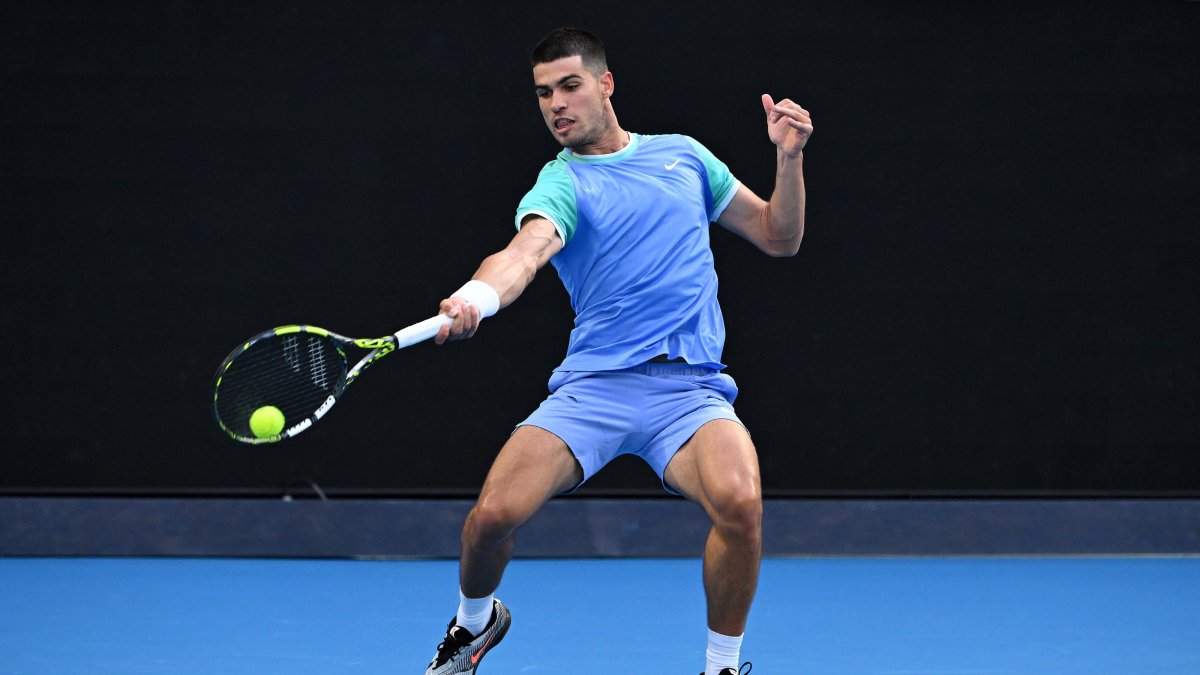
<point x="419" y="332"/>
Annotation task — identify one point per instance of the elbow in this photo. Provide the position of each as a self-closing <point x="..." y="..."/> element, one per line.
<point x="783" y="248"/>
<point x="787" y="251"/>
<point x="780" y="237"/>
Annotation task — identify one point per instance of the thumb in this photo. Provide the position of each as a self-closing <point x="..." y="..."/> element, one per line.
<point x="768" y="103"/>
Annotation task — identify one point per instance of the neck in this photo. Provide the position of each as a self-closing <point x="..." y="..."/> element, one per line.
<point x="611" y="143"/>
<point x="612" y="140"/>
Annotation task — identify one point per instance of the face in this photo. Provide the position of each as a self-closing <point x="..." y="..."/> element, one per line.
<point x="574" y="102"/>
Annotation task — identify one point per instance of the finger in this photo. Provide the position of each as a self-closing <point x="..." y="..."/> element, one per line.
<point x="773" y="115"/>
<point x="796" y="113"/>
<point x="471" y="320"/>
<point x="460" y="313"/>
<point x="768" y="103"/>
<point x="466" y="323"/>
<point x="789" y="104"/>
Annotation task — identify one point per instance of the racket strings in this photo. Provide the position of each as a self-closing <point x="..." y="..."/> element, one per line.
<point x="295" y="373"/>
<point x="317" y="366"/>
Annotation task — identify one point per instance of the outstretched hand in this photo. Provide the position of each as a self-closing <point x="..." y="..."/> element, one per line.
<point x="788" y="125"/>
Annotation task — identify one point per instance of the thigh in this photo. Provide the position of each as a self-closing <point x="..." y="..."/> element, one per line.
<point x="678" y="408"/>
<point x="718" y="463"/>
<point x="594" y="414"/>
<point x="533" y="466"/>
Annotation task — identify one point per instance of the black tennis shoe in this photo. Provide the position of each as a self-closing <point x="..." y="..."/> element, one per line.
<point x="461" y="652"/>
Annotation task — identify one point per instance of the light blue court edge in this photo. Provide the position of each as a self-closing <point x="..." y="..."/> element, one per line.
<point x="853" y="616"/>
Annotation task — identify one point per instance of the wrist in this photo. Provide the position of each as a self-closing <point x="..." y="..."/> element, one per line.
<point x="785" y="155"/>
<point x="481" y="295"/>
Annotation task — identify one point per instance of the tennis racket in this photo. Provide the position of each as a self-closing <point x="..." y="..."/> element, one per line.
<point x="301" y="370"/>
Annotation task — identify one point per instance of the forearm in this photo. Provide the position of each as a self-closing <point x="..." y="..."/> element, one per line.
<point x="500" y="279"/>
<point x="511" y="270"/>
<point x="783" y="216"/>
<point x="508" y="273"/>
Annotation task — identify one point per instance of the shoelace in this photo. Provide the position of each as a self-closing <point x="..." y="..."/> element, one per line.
<point x="447" y="647"/>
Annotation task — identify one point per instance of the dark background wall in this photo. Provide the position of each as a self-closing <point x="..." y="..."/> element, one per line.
<point x="997" y="292"/>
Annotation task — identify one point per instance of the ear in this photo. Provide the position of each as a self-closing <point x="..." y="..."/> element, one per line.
<point x="607" y="86"/>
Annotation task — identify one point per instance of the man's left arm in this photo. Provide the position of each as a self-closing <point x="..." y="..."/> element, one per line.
<point x="776" y="226"/>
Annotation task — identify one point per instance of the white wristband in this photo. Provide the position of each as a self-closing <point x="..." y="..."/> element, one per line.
<point x="481" y="295"/>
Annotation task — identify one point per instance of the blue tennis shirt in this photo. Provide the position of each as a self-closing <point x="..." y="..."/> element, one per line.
<point x="636" y="259"/>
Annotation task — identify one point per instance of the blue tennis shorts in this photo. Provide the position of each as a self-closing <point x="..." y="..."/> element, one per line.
<point x="650" y="411"/>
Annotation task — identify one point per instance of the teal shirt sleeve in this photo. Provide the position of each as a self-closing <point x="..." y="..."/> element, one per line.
<point x="553" y="198"/>
<point x="721" y="182"/>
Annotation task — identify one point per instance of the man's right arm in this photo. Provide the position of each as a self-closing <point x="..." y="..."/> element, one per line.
<point x="509" y="272"/>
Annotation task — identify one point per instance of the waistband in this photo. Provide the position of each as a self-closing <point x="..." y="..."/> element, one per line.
<point x="674" y="368"/>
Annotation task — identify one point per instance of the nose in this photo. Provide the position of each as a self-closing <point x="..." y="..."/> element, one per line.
<point x="557" y="102"/>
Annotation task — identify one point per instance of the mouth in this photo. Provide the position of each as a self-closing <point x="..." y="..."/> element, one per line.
<point x="563" y="124"/>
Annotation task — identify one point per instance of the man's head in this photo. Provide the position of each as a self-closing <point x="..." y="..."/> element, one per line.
<point x="573" y="85"/>
<point x="564" y="42"/>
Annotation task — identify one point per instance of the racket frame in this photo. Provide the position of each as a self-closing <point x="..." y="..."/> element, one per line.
<point x="377" y="349"/>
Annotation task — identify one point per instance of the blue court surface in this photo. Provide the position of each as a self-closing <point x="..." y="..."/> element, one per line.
<point x="590" y="617"/>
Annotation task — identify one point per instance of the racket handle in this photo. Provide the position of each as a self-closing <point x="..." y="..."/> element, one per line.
<point x="419" y="332"/>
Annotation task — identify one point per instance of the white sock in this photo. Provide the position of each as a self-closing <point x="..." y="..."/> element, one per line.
<point x="474" y="613"/>
<point x="723" y="652"/>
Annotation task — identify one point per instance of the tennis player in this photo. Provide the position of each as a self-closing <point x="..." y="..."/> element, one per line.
<point x="624" y="219"/>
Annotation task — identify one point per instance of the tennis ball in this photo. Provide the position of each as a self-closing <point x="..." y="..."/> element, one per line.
<point x="266" y="421"/>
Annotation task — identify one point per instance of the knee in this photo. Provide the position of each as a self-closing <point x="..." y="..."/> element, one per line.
<point x="738" y="511"/>
<point x="488" y="524"/>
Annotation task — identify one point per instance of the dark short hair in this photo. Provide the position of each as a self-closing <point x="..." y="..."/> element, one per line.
<point x="564" y="42"/>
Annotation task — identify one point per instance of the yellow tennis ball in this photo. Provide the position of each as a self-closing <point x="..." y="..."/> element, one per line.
<point x="267" y="421"/>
